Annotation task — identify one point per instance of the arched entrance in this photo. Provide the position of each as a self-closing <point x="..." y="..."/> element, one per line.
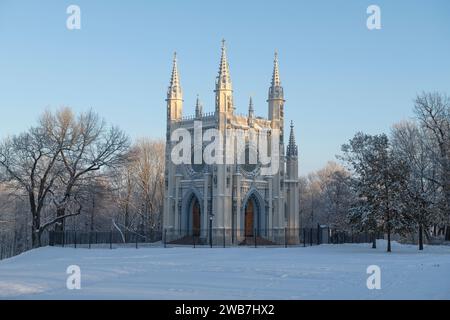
<point x="195" y="218"/>
<point x="250" y="218"/>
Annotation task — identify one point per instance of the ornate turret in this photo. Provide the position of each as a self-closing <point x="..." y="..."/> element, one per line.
<point x="174" y="94"/>
<point x="276" y="94"/>
<point x="276" y="90"/>
<point x="198" y="108"/>
<point x="251" y="111"/>
<point x="224" y="77"/>
<point x="292" y="149"/>
<point x="224" y="88"/>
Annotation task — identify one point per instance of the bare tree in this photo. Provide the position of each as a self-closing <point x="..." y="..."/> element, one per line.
<point x="88" y="147"/>
<point x="29" y="165"/>
<point x="433" y="112"/>
<point x="140" y="186"/>
<point x="53" y="161"/>
<point x="325" y="196"/>
<point x="420" y="195"/>
<point x="149" y="171"/>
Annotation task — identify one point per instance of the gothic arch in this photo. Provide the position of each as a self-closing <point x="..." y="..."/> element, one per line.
<point x="188" y="202"/>
<point x="260" y="216"/>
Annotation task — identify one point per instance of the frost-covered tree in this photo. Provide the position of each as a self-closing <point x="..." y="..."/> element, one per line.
<point x="420" y="195"/>
<point x="379" y="178"/>
<point x="336" y="194"/>
<point x="52" y="163"/>
<point x="433" y="113"/>
<point x="139" y="187"/>
<point x="325" y="197"/>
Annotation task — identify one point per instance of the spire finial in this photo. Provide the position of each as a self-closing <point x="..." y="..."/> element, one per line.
<point x="198" y="108"/>
<point x="251" y="111"/>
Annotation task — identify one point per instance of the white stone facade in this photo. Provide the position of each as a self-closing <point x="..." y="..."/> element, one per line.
<point x="235" y="199"/>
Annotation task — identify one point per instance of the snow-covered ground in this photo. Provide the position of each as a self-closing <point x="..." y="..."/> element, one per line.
<point x="321" y="272"/>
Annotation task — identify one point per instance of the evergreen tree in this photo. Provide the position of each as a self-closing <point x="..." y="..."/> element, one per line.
<point x="379" y="178"/>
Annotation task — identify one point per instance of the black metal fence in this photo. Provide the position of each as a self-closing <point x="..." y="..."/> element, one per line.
<point x="12" y="245"/>
<point x="111" y="239"/>
<point x="285" y="237"/>
<point x="216" y="237"/>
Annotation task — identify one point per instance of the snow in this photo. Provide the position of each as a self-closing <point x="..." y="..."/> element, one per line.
<point x="319" y="272"/>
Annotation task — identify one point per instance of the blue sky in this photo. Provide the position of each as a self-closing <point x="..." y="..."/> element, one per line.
<point x="338" y="76"/>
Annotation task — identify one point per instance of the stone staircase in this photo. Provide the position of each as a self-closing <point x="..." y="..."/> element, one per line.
<point x="188" y="240"/>
<point x="250" y="241"/>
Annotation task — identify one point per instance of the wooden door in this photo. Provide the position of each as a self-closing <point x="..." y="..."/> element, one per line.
<point x="249" y="215"/>
<point x="196" y="219"/>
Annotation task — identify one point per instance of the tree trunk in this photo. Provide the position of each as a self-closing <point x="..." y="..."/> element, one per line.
<point x="92" y="213"/>
<point x="36" y="224"/>
<point x="374" y="241"/>
<point x="420" y="237"/>
<point x="35" y="238"/>
<point x="59" y="226"/>
<point x="447" y="233"/>
<point x="389" y="240"/>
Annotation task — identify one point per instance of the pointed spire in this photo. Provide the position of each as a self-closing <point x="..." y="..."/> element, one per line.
<point x="224" y="78"/>
<point x="276" y="72"/>
<point x="292" y="149"/>
<point x="174" y="91"/>
<point x="175" y="79"/>
<point x="198" y="108"/>
<point x="251" y="111"/>
<point x="276" y="90"/>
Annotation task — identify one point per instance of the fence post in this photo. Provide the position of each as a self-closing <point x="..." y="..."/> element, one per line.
<point x="63" y="233"/>
<point x="328" y="235"/>
<point x="224" y="244"/>
<point x="210" y="233"/>
<point x="89" y="240"/>
<point x="165" y="236"/>
<point x="110" y="239"/>
<point x="285" y="237"/>
<point x="254" y="237"/>
<point x="75" y="240"/>
<point x="304" y="237"/>
<point x="311" y="237"/>
<point x="318" y="234"/>
<point x="137" y="240"/>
